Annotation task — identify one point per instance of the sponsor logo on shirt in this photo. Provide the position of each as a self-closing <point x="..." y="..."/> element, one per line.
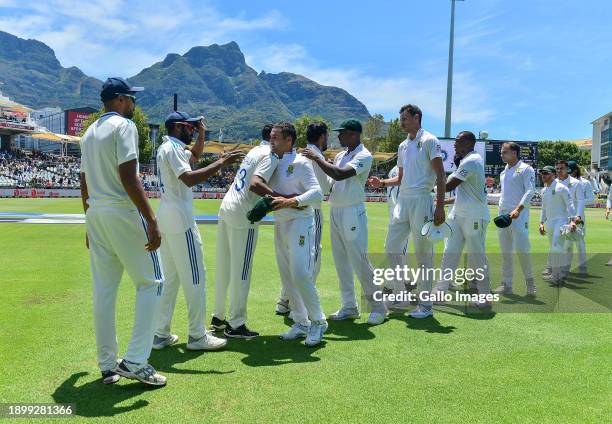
<point x="301" y="242"/>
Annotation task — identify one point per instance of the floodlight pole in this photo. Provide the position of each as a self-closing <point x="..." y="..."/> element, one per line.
<point x="449" y="79"/>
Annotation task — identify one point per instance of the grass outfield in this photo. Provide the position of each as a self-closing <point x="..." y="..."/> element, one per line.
<point x="510" y="367"/>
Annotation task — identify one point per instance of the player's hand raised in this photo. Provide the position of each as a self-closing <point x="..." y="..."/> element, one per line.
<point x="153" y="235"/>
<point x="232" y="157"/>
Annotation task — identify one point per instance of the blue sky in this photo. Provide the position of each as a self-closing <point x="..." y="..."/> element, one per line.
<point x="538" y="69"/>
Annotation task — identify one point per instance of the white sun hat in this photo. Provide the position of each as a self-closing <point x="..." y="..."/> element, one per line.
<point x="436" y="232"/>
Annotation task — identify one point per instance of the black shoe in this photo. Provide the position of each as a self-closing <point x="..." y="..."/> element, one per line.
<point x="110" y="377"/>
<point x="217" y="324"/>
<point x="241" y="332"/>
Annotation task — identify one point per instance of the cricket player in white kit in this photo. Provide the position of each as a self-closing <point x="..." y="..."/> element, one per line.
<point x="122" y="234"/>
<point x="588" y="195"/>
<point x="295" y="244"/>
<point x="237" y="237"/>
<point x="419" y="159"/>
<point x="517" y="189"/>
<point x="469" y="216"/>
<point x="349" y="222"/>
<point x="577" y="193"/>
<point x="557" y="210"/>
<point x="181" y="249"/>
<point x="316" y="135"/>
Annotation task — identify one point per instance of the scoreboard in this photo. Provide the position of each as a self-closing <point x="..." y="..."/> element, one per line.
<point x="493" y="161"/>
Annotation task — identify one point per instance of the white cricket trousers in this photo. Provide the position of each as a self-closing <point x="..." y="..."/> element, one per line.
<point x="557" y="253"/>
<point x="295" y="244"/>
<point x="117" y="238"/>
<point x="409" y="216"/>
<point x="349" y="240"/>
<point x="469" y="235"/>
<point x="183" y="264"/>
<point x="235" y="249"/>
<point x="318" y="220"/>
<point x="515" y="239"/>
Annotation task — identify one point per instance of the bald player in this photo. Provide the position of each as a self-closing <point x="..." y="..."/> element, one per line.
<point x="468" y="218"/>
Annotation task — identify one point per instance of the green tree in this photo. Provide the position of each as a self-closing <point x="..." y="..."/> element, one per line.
<point x="373" y="132"/>
<point x="140" y="118"/>
<point x="301" y="124"/>
<point x="549" y="152"/>
<point x="395" y="135"/>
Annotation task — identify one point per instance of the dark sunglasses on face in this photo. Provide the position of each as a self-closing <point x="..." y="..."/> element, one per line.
<point x="128" y="95"/>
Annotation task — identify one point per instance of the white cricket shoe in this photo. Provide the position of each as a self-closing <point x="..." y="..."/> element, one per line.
<point x="207" y="342"/>
<point x="315" y="333"/>
<point x="421" y="311"/>
<point x="503" y="289"/>
<point x="531" y="288"/>
<point x="377" y="318"/>
<point x="297" y="331"/>
<point x="344" y="313"/>
<point x="144" y="373"/>
<point x="162" y="342"/>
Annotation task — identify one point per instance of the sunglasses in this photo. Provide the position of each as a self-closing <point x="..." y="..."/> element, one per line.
<point x="128" y="95"/>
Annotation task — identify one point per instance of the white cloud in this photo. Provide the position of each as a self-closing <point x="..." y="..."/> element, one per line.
<point x="385" y="95"/>
<point x="104" y="37"/>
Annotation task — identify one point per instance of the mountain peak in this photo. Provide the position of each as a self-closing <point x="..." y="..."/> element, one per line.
<point x="13" y="46"/>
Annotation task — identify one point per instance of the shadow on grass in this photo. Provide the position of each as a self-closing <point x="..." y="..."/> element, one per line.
<point x="267" y="351"/>
<point x="462" y="310"/>
<point x="429" y="325"/>
<point x="94" y="399"/>
<point x="166" y="359"/>
<point x="348" y="330"/>
<point x="513" y="299"/>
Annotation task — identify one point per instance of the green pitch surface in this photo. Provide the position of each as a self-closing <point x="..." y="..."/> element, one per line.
<point x="506" y="367"/>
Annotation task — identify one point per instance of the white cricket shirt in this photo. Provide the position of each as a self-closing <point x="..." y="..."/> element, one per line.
<point x="108" y="142"/>
<point x="175" y="213"/>
<point x="351" y="191"/>
<point x="414" y="157"/>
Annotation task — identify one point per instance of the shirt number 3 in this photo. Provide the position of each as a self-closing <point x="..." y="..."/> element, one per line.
<point x="240" y="176"/>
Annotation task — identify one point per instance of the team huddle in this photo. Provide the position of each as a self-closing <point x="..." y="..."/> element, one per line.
<point x="120" y="221"/>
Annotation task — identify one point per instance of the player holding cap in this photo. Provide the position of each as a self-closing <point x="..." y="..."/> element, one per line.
<point x="316" y="134"/>
<point x="577" y="194"/>
<point x="557" y="210"/>
<point x="585" y="186"/>
<point x="181" y="250"/>
<point x="122" y="234"/>
<point x="295" y="242"/>
<point x="349" y="222"/>
<point x="237" y="236"/>
<point x="421" y="154"/>
<point x="469" y="216"/>
<point x="517" y="189"/>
